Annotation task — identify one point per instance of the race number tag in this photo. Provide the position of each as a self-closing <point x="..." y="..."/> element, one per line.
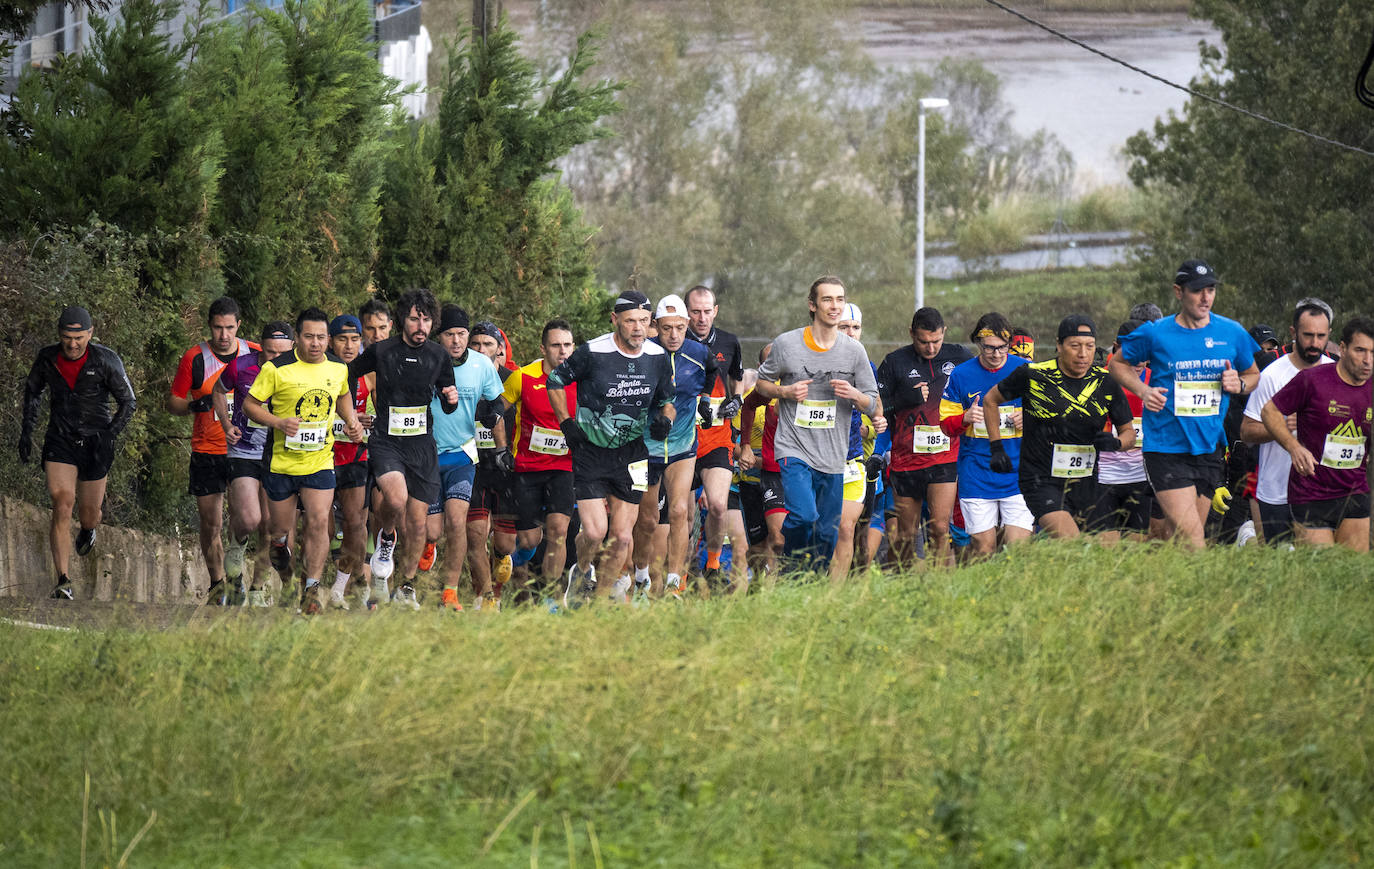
<point x="485" y="439"/>
<point x="229" y="407"/>
<point x="341" y="436"/>
<point x="1139" y="433"/>
<point x="1007" y="424"/>
<point x="716" y="402"/>
<point x="406" y="422"/>
<point x="639" y="475"/>
<point x="1342" y="453"/>
<point x="548" y="442"/>
<point x="929" y="439"/>
<point x="1072" y="461"/>
<point x="815" y="414"/>
<point x="854" y="472"/>
<point x="1197" y="397"/>
<point x="309" y="437"/>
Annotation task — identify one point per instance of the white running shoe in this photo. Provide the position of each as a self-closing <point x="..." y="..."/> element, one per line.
<point x="381" y="561"/>
<point x="1246" y="532"/>
<point x="620" y="592"/>
<point x="337" y="600"/>
<point x="233" y="559"/>
<point x="258" y="598"/>
<point x="581" y="588"/>
<point x="406" y="595"/>
<point x="381" y="595"/>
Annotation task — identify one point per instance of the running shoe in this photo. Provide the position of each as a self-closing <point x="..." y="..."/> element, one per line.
<point x="450" y="601"/>
<point x="234" y="557"/>
<point x="337" y="600"/>
<point x="581" y="588"/>
<point x="620" y="592"/>
<point x="501" y="574"/>
<point x="63" y="590"/>
<point x="380" y="594"/>
<point x="312" y="601"/>
<point x="280" y="556"/>
<point x="673" y="586"/>
<point x="218" y="594"/>
<point x="427" y="559"/>
<point x="238" y="594"/>
<point x="257" y="598"/>
<point x="381" y="562"/>
<point x="85" y="539"/>
<point x="406" y="595"/>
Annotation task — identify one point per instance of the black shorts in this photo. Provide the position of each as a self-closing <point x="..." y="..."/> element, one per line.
<point x="913" y="484"/>
<point x="751" y="505"/>
<point x="209" y="474"/>
<point x="1330" y="514"/>
<point x="493" y="492"/>
<point x="350" y="476"/>
<point x="1276" y="520"/>
<point x="1045" y="495"/>
<point x="1122" y="507"/>
<point x="772" y="492"/>
<point x="663" y="514"/>
<point x="1168" y="471"/>
<point x="720" y="457"/>
<point x="538" y="493"/>
<point x="241" y="467"/>
<point x="599" y="472"/>
<point x="414" y="457"/>
<point x="92" y="456"/>
<point x="732" y="499"/>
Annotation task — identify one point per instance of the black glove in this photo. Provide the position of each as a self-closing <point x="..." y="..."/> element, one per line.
<point x="875" y="464"/>
<point x="25" y="448"/>
<point x="1106" y="442"/>
<point x="201" y="405"/>
<point x="704" y="411"/>
<point x="660" y="426"/>
<point x="1001" y="462"/>
<point x="488" y="420"/>
<point x="731" y="408"/>
<point x="505" y="461"/>
<point x="572" y="433"/>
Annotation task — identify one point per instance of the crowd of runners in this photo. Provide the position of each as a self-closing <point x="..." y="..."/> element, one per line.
<point x="652" y="462"/>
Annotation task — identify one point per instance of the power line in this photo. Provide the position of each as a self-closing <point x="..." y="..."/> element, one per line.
<point x="1187" y="90"/>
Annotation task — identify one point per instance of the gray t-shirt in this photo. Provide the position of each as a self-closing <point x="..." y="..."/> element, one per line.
<point x="816" y="430"/>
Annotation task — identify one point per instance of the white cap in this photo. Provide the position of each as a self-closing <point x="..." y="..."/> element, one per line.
<point x="671" y="305"/>
<point x="852" y="312"/>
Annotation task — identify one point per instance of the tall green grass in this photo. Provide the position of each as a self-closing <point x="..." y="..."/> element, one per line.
<point x="1062" y="705"/>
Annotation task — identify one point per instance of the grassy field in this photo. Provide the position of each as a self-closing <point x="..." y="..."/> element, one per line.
<point x="1062" y="705"/>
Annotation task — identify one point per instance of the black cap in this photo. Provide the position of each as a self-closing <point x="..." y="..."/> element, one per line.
<point x="1262" y="332"/>
<point x="452" y="317"/>
<point x="74" y="318"/>
<point x="1195" y="275"/>
<point x="277" y="330"/>
<point x="1128" y="327"/>
<point x="632" y="300"/>
<point x="486" y="327"/>
<point x="1077" y="324"/>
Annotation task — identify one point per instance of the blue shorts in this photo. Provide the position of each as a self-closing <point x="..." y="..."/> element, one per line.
<point x="279" y="487"/>
<point x="455" y="484"/>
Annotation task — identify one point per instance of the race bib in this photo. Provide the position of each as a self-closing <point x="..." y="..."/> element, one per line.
<point x="229" y="407"/>
<point x="639" y="475"/>
<point x="1072" y="461"/>
<point x="854" y="471"/>
<point x="1139" y="433"/>
<point x="716" y="402"/>
<point x="341" y="436"/>
<point x="548" y="442"/>
<point x="929" y="439"/>
<point x="309" y="437"/>
<point x="1197" y="397"/>
<point x="815" y="414"/>
<point x="1342" y="453"/>
<point x="485" y="439"/>
<point x="406" y="422"/>
<point x="1007" y="425"/>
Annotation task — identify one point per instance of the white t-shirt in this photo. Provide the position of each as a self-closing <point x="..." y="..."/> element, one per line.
<point x="1274" y="461"/>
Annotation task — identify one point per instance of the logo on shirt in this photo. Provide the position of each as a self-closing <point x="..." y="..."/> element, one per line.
<point x="1347" y="429"/>
<point x="913" y="373"/>
<point x="1337" y="409"/>
<point x="947" y="368"/>
<point x="316" y="404"/>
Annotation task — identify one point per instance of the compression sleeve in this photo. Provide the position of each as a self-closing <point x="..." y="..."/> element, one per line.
<point x="1015" y="384"/>
<point x="365" y="363"/>
<point x="443" y="380"/>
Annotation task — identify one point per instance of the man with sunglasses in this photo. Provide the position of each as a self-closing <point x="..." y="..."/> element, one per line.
<point x="1197" y="360"/>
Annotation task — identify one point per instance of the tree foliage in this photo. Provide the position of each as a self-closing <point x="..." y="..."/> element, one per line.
<point x="1278" y="214"/>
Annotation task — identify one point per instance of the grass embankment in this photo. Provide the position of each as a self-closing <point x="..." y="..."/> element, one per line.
<point x="1062" y="706"/>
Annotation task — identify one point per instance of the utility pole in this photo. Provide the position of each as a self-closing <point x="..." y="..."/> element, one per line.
<point x="485" y="14"/>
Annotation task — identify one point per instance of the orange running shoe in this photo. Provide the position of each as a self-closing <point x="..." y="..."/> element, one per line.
<point x="451" y="601"/>
<point x="427" y="560"/>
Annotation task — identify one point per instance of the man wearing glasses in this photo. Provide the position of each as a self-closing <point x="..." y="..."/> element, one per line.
<point x="1197" y="361"/>
<point x="988" y="499"/>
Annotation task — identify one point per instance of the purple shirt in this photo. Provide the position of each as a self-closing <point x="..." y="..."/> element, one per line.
<point x="238" y="377"/>
<point x="1333" y="424"/>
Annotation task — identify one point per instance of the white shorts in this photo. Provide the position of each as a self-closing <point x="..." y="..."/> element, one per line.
<point x="980" y="514"/>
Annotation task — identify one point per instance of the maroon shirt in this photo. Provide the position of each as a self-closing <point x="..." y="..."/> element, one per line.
<point x="1327" y="407"/>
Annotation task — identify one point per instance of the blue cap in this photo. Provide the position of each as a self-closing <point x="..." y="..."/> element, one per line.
<point x="344" y="324"/>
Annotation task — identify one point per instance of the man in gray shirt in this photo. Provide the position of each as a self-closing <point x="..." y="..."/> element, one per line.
<point x="818" y="376"/>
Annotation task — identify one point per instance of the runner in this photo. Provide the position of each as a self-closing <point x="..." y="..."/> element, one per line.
<point x="988" y="498"/>
<point x="757" y="454"/>
<point x="1124" y="497"/>
<point x="818" y="375"/>
<point x="78" y="448"/>
<point x="350" y="466"/>
<point x="402" y="456"/>
<point x="1328" y="485"/>
<point x="911" y="381"/>
<point x="863" y="431"/>
<point x="673" y="459"/>
<point x="309" y="388"/>
<point x="195" y="378"/>
<point x="1310" y="330"/>
<point x="716" y="441"/>
<point x="1066" y="403"/>
<point x="375" y="320"/>
<point x="623" y="383"/>
<point x="544" y="493"/>
<point x="248" y="504"/>
<point x="1197" y="361"/>
<point x="494" y="482"/>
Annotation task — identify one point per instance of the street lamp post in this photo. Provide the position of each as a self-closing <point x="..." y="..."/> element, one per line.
<point x="925" y="103"/>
